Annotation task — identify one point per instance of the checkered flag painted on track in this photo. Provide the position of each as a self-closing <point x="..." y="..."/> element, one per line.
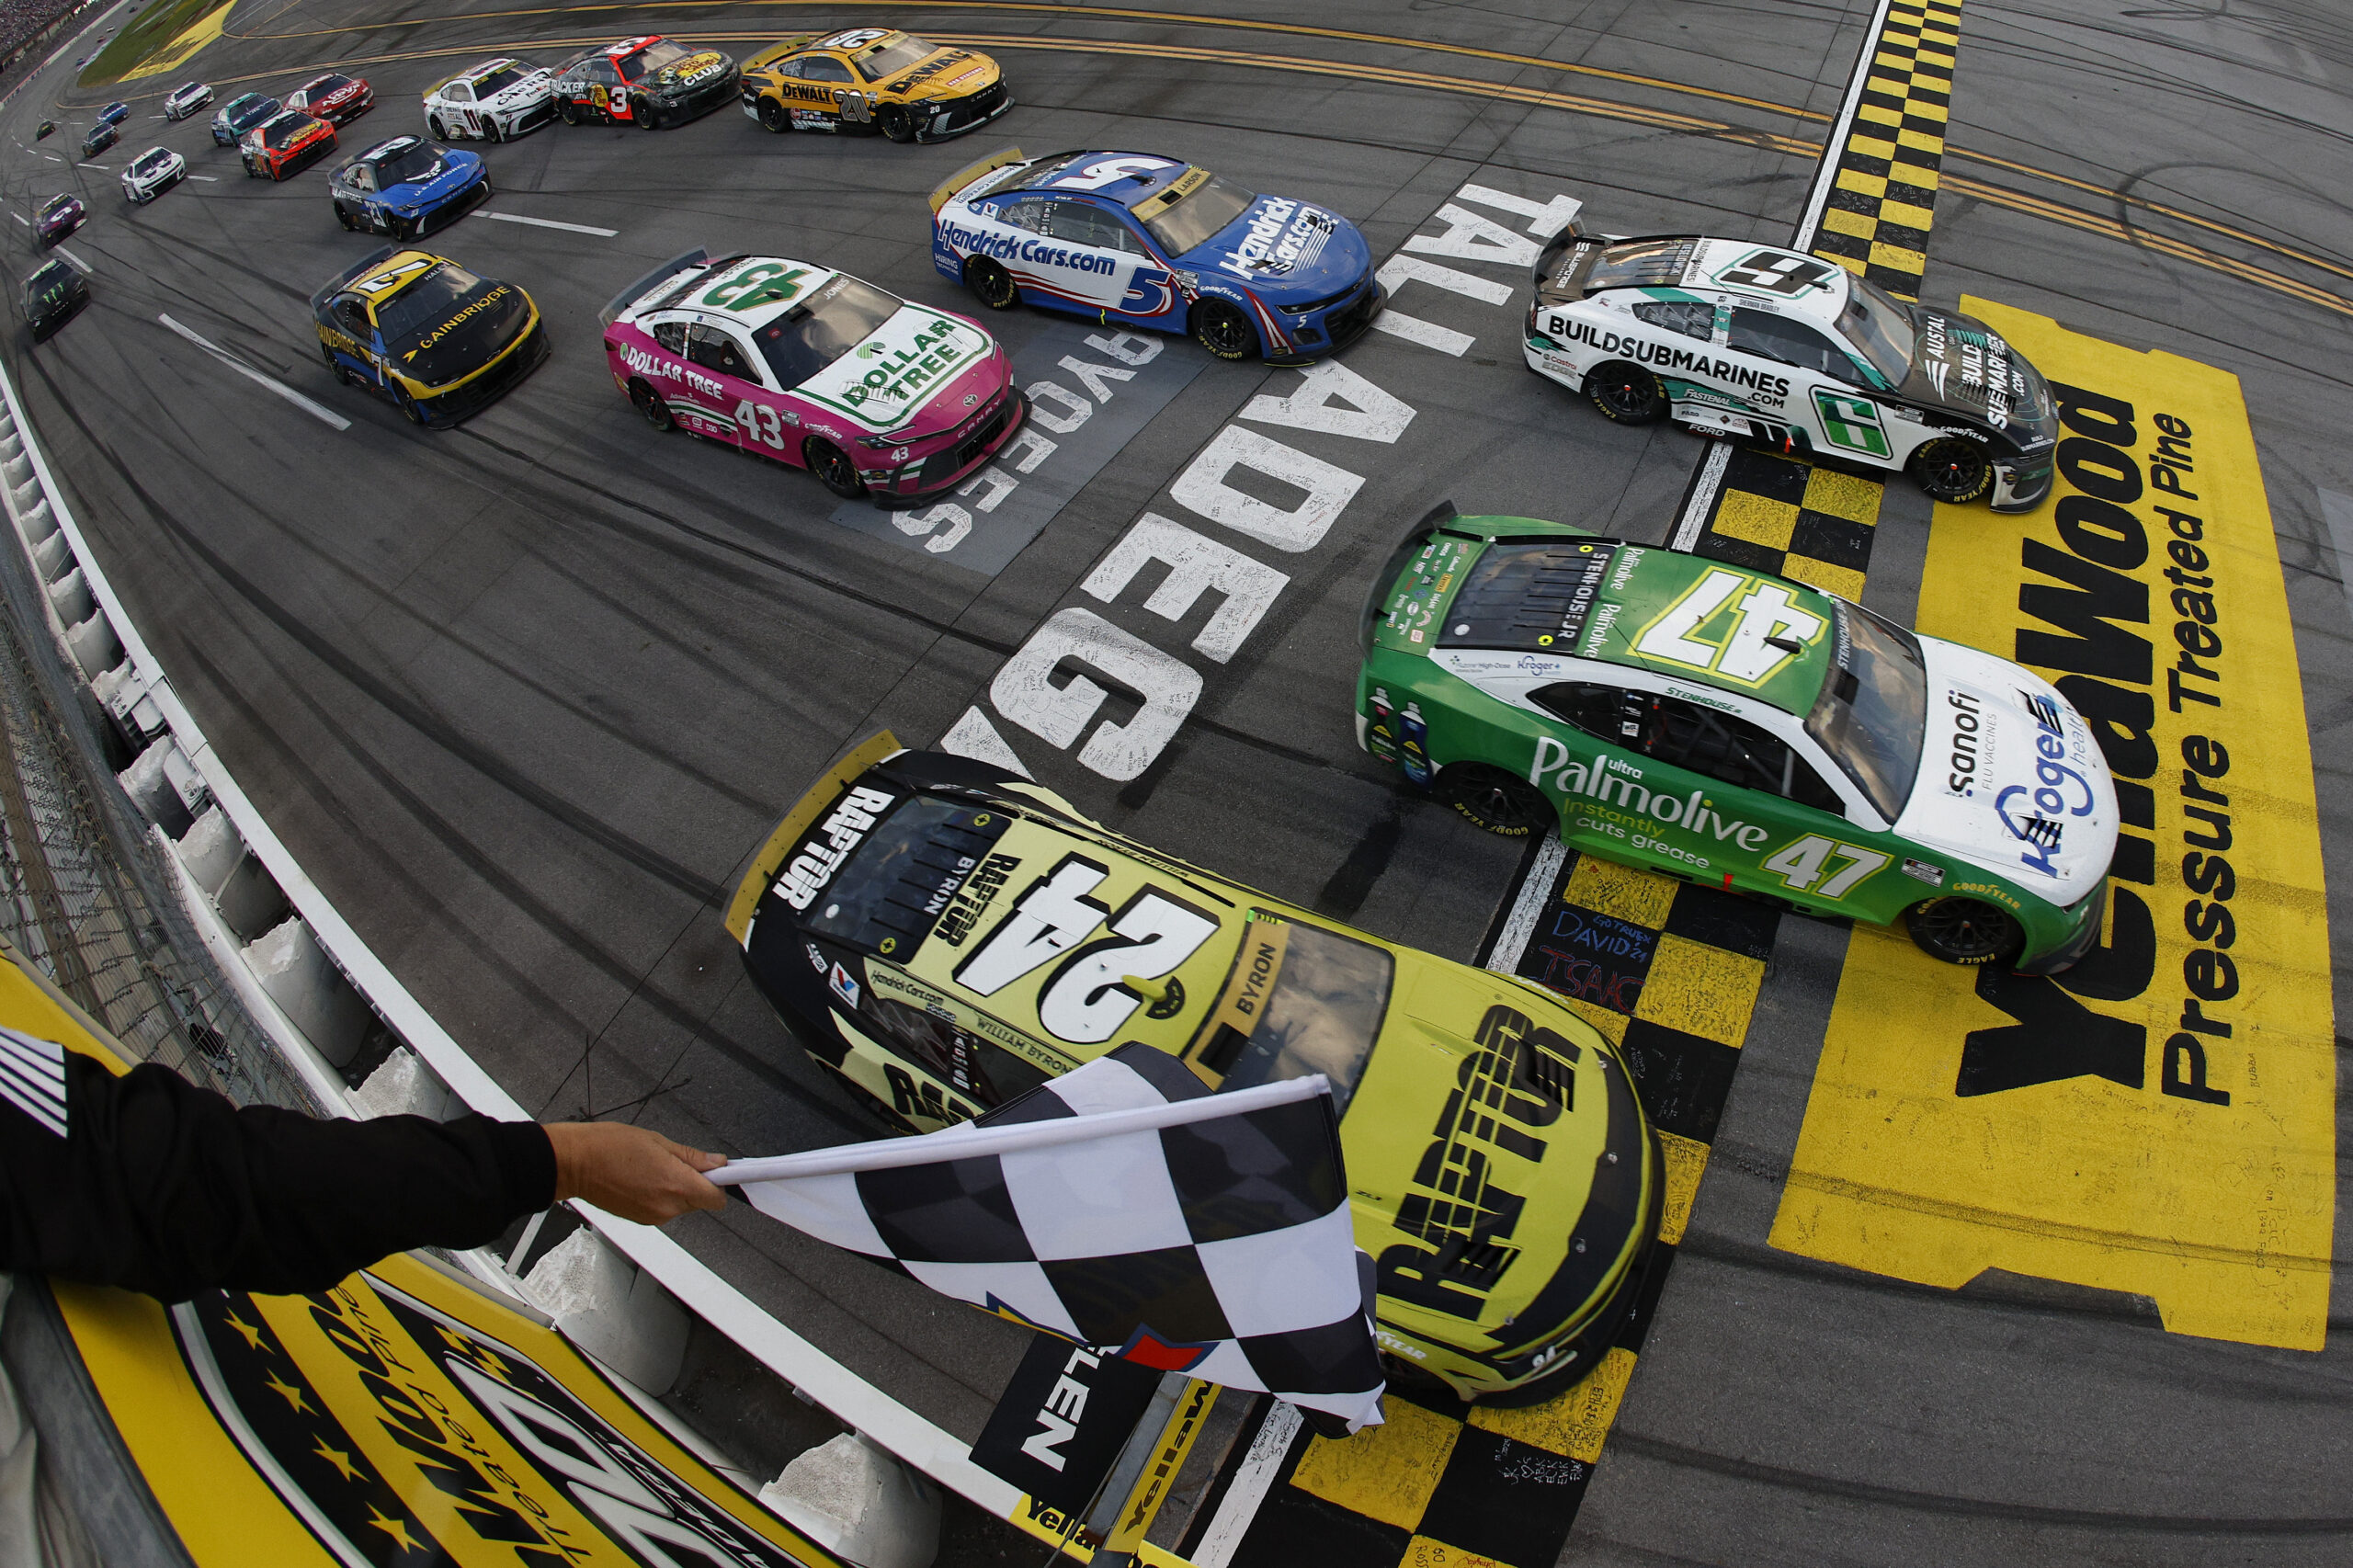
<point x="1124" y="1207"/>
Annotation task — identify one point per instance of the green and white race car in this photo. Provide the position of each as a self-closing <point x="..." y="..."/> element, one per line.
<point x="1739" y="730"/>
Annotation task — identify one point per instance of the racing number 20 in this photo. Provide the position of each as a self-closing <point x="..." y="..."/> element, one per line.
<point x="1086" y="1001"/>
<point x="758" y="422"/>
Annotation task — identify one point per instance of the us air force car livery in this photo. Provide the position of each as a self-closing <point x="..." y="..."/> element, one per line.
<point x="876" y="80"/>
<point x="1738" y="338"/>
<point x="495" y="101"/>
<point x="942" y="937"/>
<point x="426" y="334"/>
<point x="151" y="174"/>
<point x="1740" y="731"/>
<point x="404" y="186"/>
<point x="815" y="369"/>
<point x="1156" y="243"/>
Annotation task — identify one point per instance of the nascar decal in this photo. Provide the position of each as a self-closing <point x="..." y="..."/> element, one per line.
<point x="882" y="381"/>
<point x="820" y="853"/>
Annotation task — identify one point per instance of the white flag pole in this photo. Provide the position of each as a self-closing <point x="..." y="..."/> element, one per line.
<point x="967" y="1141"/>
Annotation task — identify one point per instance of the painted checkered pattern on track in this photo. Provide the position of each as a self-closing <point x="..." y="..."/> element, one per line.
<point x="1787" y="515"/>
<point x="1884" y="197"/>
<point x="1671" y="972"/>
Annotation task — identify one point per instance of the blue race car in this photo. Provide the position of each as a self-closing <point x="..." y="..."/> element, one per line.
<point x="114" y="114"/>
<point x="1156" y="243"/>
<point x="402" y="186"/>
<point x="240" y="115"/>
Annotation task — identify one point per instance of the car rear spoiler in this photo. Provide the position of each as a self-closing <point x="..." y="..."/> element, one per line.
<point x="1377" y="595"/>
<point x="645" y="285"/>
<point x="821" y="795"/>
<point x="377" y="257"/>
<point x="965" y="176"/>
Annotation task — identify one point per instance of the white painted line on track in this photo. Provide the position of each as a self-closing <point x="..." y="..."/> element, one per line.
<point x="1511" y="942"/>
<point x="1703" y="497"/>
<point x="81" y="266"/>
<point x="209" y="180"/>
<point x="100" y="167"/>
<point x="1249" y="1487"/>
<point x="548" y="224"/>
<point x="316" y="410"/>
<point x="22" y="218"/>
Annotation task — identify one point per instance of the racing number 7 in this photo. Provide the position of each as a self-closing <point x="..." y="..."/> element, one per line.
<point x="1799" y="866"/>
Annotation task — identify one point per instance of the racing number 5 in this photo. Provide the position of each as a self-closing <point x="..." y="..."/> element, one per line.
<point x="1799" y="866"/>
<point x="758" y="422"/>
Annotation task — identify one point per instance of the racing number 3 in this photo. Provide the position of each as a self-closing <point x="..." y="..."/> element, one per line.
<point x="1084" y="1001"/>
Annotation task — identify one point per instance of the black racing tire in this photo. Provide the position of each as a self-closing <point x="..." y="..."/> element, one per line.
<point x="773" y="118"/>
<point x="641" y="115"/>
<point x="1494" y="802"/>
<point x="1219" y="326"/>
<point x="567" y="111"/>
<point x="832" y="466"/>
<point x="990" y="284"/>
<point x="344" y="218"/>
<point x="1952" y="469"/>
<point x="1966" y="931"/>
<point x="433" y="128"/>
<point x="490" y="131"/>
<point x="649" y="403"/>
<point x="894" y="121"/>
<point x="409" y="410"/>
<point x="336" y="367"/>
<point x="1626" y="392"/>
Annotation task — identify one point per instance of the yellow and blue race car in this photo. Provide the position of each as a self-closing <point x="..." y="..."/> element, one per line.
<point x="439" y="341"/>
<point x="871" y="79"/>
<point x="942" y="937"/>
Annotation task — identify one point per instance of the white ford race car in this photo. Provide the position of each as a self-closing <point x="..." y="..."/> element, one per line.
<point x="1737" y="338"/>
<point x="496" y="100"/>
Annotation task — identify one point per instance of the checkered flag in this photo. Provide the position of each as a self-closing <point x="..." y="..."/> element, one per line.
<point x="1126" y="1207"/>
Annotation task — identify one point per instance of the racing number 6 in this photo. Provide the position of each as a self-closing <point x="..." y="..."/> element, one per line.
<point x="1799" y="865"/>
<point x="759" y="422"/>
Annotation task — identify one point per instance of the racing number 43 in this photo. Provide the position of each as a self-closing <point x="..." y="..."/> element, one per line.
<point x="758" y="422"/>
<point x="1801" y="864"/>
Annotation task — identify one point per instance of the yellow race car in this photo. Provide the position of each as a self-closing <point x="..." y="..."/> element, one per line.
<point x="871" y="79"/>
<point x="942" y="935"/>
<point x="441" y="343"/>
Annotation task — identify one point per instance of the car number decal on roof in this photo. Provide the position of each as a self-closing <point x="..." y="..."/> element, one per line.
<point x="384" y="281"/>
<point x="1777" y="272"/>
<point x="1753" y="650"/>
<point x="762" y="283"/>
<point x="1110" y="171"/>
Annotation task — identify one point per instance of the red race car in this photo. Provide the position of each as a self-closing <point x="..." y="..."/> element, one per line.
<point x="337" y="99"/>
<point x="285" y="144"/>
<point x="651" y="82"/>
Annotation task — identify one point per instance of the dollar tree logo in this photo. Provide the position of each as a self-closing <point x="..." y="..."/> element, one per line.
<point x="1851" y="421"/>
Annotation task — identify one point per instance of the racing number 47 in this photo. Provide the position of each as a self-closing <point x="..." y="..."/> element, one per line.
<point x="1801" y="864"/>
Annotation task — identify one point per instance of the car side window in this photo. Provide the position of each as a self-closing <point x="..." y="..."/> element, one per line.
<point x="1029" y="214"/>
<point x="672" y="336"/>
<point x="1693" y="318"/>
<point x="825" y="68"/>
<point x="363" y="178"/>
<point x="1792" y="343"/>
<point x="604" y="72"/>
<point x="352" y="316"/>
<point x="1703" y="740"/>
<point x="717" y="350"/>
<point x="461" y="92"/>
<point x="790" y="68"/>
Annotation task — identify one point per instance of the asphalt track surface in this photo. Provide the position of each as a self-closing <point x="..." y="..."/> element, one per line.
<point x="523" y="697"/>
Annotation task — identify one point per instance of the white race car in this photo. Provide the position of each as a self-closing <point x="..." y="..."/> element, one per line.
<point x="494" y="101"/>
<point x="1737" y="338"/>
<point x="186" y="100"/>
<point x="152" y="172"/>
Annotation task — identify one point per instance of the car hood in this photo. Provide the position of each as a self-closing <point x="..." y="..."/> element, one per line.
<point x="455" y="171"/>
<point x="490" y="317"/>
<point x="691" y="72"/>
<point x="1963" y="366"/>
<point x="536" y="85"/>
<point x="60" y="220"/>
<point x="906" y="370"/>
<point x="2011" y="779"/>
<point x="1287" y="251"/>
<point x="951" y="73"/>
<point x="1480" y="1118"/>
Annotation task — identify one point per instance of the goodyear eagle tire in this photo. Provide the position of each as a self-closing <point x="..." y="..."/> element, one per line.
<point x="1626" y="392"/>
<point x="1964" y="931"/>
<point x="344" y="218"/>
<point x="649" y="403"/>
<point x="641" y="115"/>
<point x="1952" y="469"/>
<point x="1492" y="801"/>
<point x="433" y="127"/>
<point x="409" y="410"/>
<point x="1219" y="326"/>
<point x="895" y="122"/>
<point x="490" y="131"/>
<point x="992" y="284"/>
<point x="772" y="116"/>
<point x="567" y="111"/>
<point x="833" y="468"/>
<point x="335" y="366"/>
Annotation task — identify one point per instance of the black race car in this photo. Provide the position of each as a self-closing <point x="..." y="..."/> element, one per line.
<point x="53" y="295"/>
<point x="417" y="328"/>
<point x="103" y="135"/>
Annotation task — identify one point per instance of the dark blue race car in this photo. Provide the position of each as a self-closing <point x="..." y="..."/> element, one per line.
<point x="1152" y="241"/>
<point x="114" y="114"/>
<point x="404" y="186"/>
<point x="240" y="115"/>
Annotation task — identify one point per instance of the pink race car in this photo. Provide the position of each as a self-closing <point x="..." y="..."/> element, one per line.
<point x="816" y="368"/>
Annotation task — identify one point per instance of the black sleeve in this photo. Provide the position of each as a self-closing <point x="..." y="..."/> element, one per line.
<point x="155" y="1185"/>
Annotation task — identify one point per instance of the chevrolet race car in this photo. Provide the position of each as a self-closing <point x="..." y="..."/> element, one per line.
<point x="53" y="295"/>
<point x="400" y="186"/>
<point x="102" y="136"/>
<point x="873" y="79"/>
<point x="114" y="114"/>
<point x="440" y="343"/>
<point x="151" y="174"/>
<point x="46" y="129"/>
<point x="1738" y="730"/>
<point x="239" y="115"/>
<point x="336" y="98"/>
<point x="814" y="368"/>
<point x="1155" y="243"/>
<point x="1742" y="339"/>
<point x="186" y="100"/>
<point x="497" y="100"/>
<point x="285" y="144"/>
<point x="943" y="937"/>
<point x="58" y="217"/>
<point x="651" y="82"/>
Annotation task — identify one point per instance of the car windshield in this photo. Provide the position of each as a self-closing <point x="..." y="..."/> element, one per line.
<point x="55" y="205"/>
<point x="843" y="314"/>
<point x="153" y="163"/>
<point x="416" y="164"/>
<point x="251" y="107"/>
<point x="1301" y="1000"/>
<point x="327" y="86"/>
<point x="1191" y="221"/>
<point x="899" y="881"/>
<point x="49" y="284"/>
<point x="1874" y="708"/>
<point x="279" y="132"/>
<point x="1632" y="264"/>
<point x="415" y="308"/>
<point x="890" y="59"/>
<point x="498" y="81"/>
<point x="1881" y="327"/>
<point x="653" y="57"/>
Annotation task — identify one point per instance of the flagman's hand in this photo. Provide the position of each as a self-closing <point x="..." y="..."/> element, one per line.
<point x="633" y="1172"/>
